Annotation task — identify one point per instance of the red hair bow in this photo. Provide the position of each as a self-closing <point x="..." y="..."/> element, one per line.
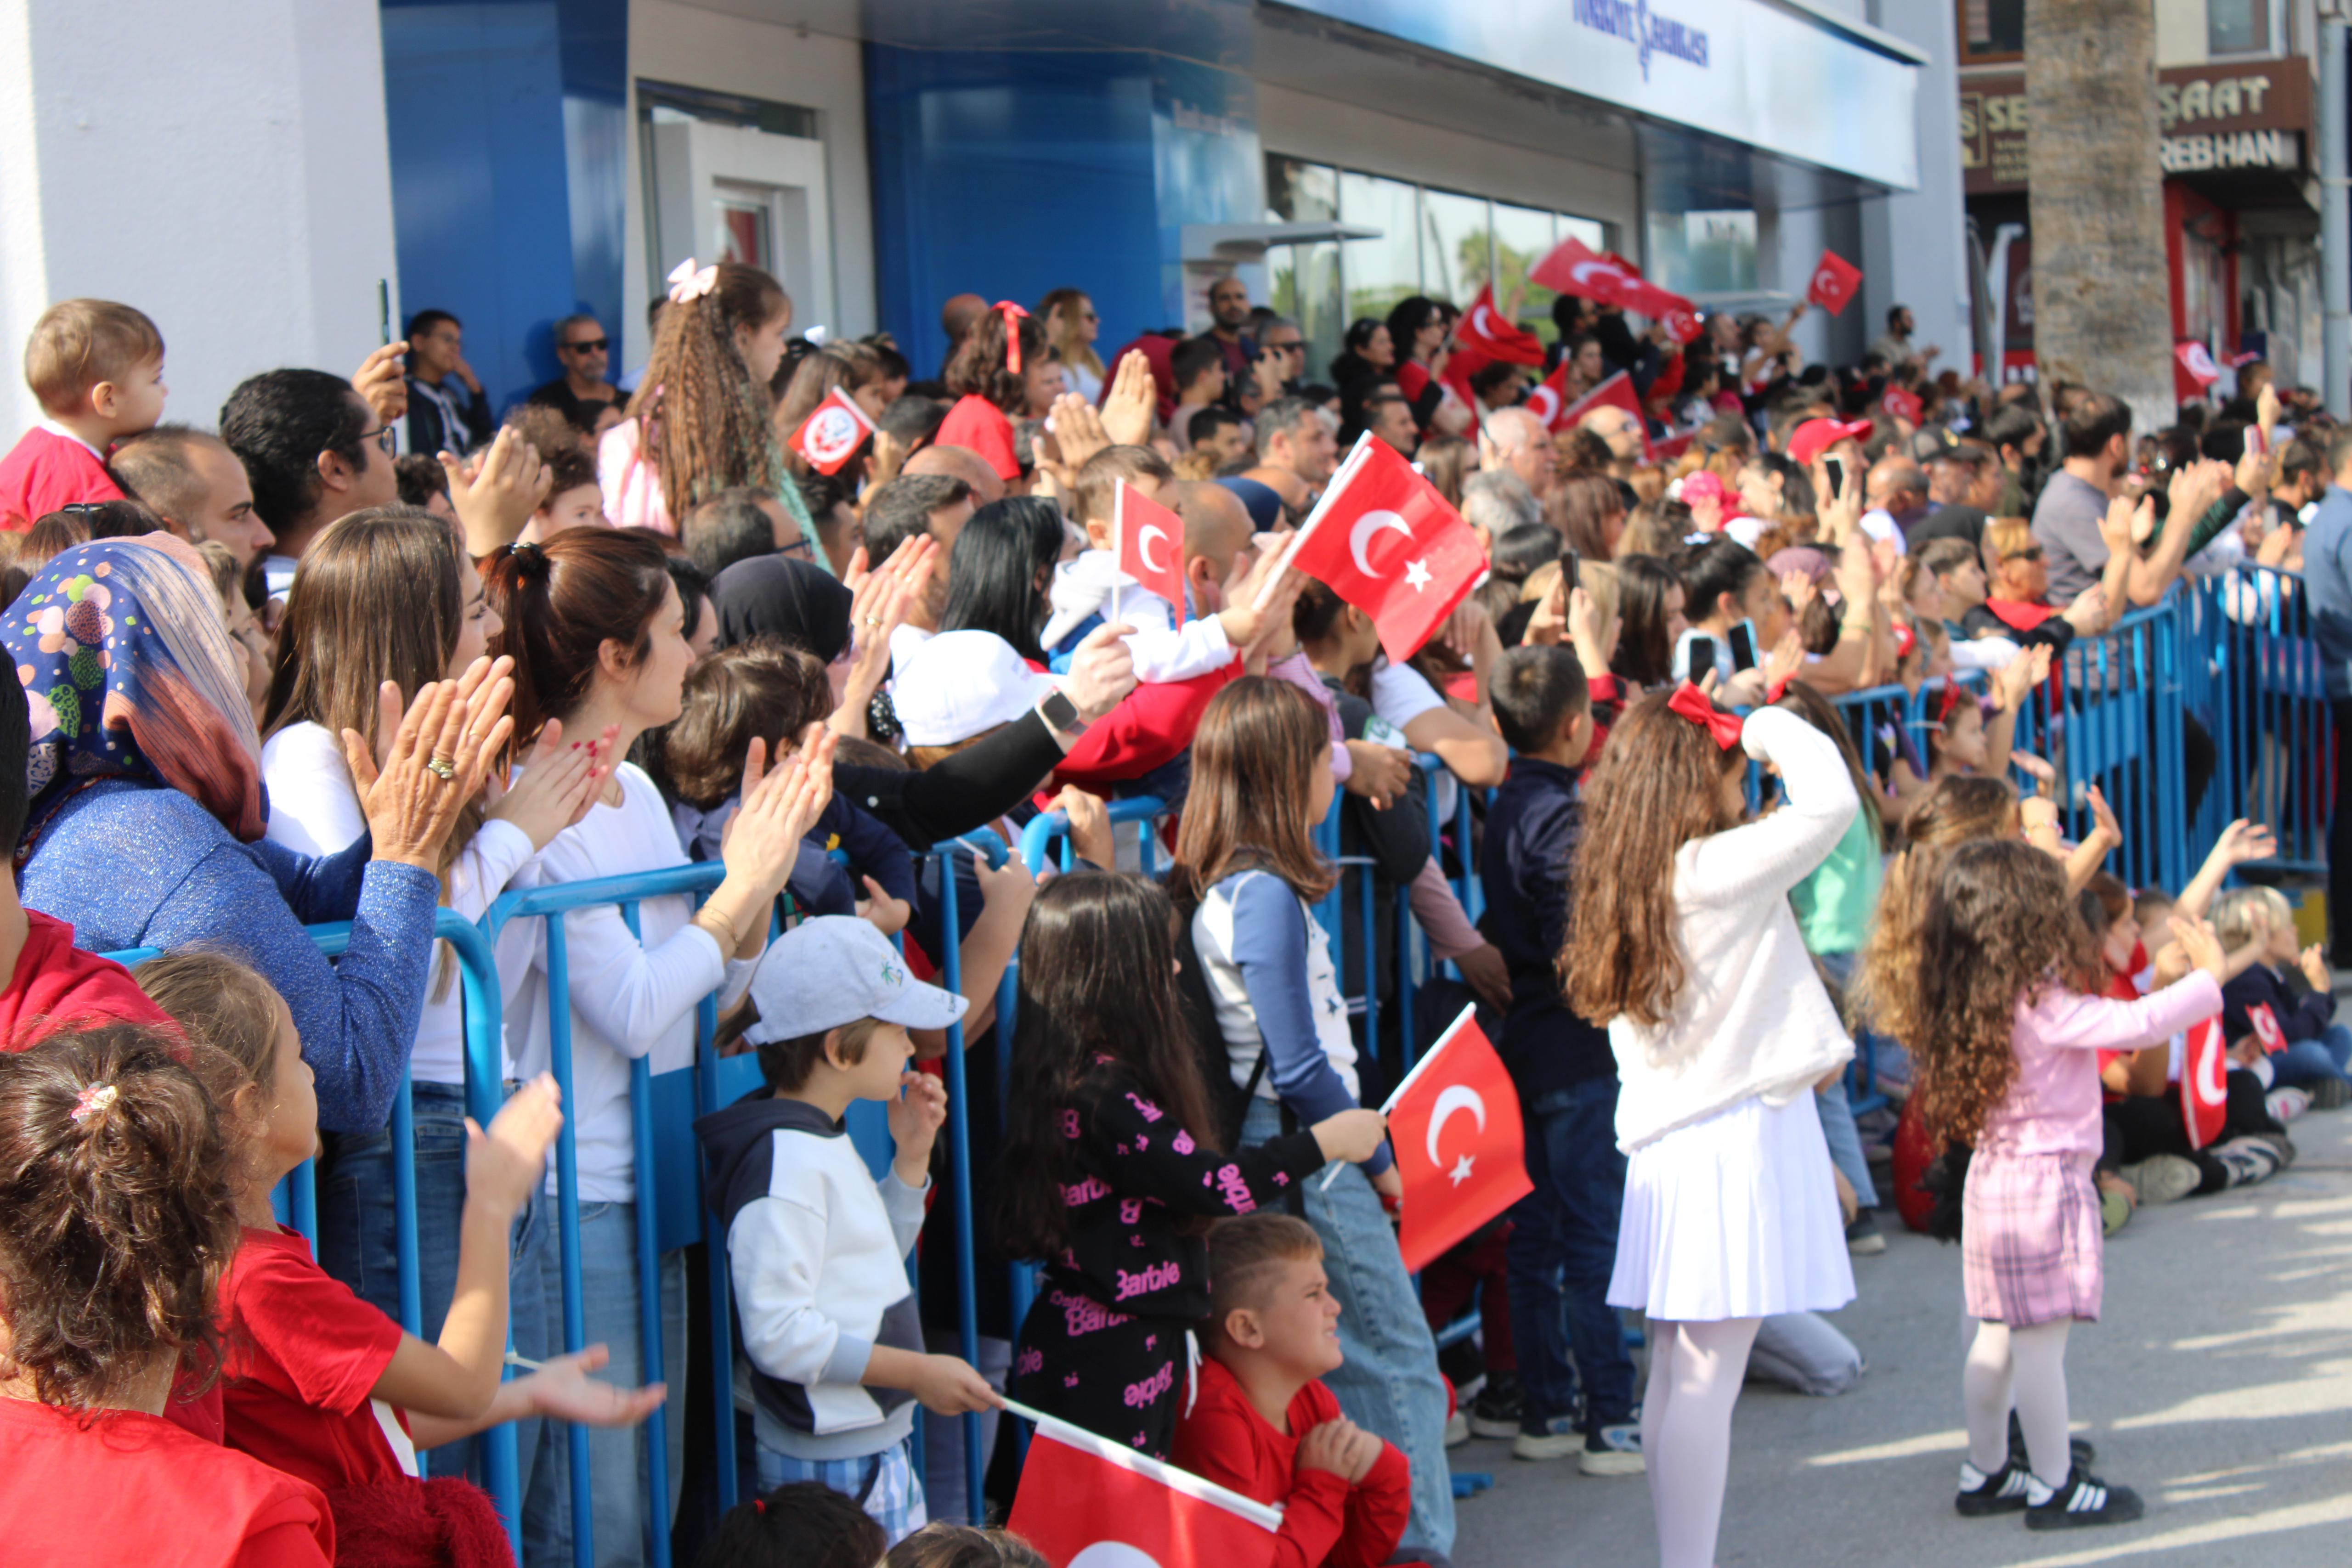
<point x="1014" y="316"/>
<point x="1776" y="690"/>
<point x="1699" y="708"/>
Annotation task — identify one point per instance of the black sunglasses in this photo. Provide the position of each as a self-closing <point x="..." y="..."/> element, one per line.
<point x="588" y="345"/>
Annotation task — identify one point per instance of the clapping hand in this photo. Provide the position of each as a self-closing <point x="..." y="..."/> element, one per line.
<point x="1132" y="402"/>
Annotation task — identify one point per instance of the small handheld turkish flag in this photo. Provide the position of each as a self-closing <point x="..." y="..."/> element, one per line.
<point x="1455" y="1122"/>
<point x="1571" y="266"/>
<point x="2205" y="1084"/>
<point x="1901" y="404"/>
<point x="2266" y="1028"/>
<point x="1085" y="1503"/>
<point x="1386" y="541"/>
<point x="1663" y="306"/>
<point x="832" y="433"/>
<point x="1549" y="401"/>
<point x="1150" y="547"/>
<point x="2193" y="369"/>
<point x="1483" y="328"/>
<point x="1834" y="280"/>
<point x="1617" y="391"/>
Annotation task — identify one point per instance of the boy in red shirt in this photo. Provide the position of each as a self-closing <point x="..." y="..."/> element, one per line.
<point x="1262" y="1424"/>
<point x="97" y="370"/>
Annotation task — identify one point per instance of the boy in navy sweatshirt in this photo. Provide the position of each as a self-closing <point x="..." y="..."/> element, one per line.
<point x="1563" y="1234"/>
<point x="830" y="1360"/>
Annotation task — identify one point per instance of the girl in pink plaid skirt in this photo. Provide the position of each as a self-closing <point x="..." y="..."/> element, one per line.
<point x="2009" y="1060"/>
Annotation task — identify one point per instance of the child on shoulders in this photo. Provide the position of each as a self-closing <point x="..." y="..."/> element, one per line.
<point x="1264" y="1425"/>
<point x="97" y="369"/>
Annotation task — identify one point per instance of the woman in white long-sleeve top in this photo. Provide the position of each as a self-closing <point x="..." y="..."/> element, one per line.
<point x="596" y="630"/>
<point x="1681" y="936"/>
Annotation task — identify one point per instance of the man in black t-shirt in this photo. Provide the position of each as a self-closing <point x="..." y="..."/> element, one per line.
<point x="580" y="393"/>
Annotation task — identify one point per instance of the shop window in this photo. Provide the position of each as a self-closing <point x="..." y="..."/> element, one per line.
<point x="1704" y="253"/>
<point x="1455" y="262"/>
<point x="2237" y="26"/>
<point x="1300" y="192"/>
<point x="1522" y="237"/>
<point x="1380" y="272"/>
<point x="1992" y="30"/>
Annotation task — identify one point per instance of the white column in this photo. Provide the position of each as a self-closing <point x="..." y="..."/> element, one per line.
<point x="1914" y="242"/>
<point x="221" y="166"/>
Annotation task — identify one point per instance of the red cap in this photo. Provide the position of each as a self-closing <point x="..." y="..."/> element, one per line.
<point x="1815" y="436"/>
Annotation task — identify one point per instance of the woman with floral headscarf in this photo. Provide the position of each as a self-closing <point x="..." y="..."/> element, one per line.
<point x="144" y="828"/>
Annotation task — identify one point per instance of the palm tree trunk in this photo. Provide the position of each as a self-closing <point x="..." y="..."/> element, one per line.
<point x="2102" y="299"/>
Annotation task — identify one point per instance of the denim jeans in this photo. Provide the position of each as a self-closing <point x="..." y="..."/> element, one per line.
<point x="619" y="1461"/>
<point x="1845" y="1141"/>
<point x="1563" y="1245"/>
<point x="358" y="1240"/>
<point x="1389" y="1385"/>
<point x="2306" y="1061"/>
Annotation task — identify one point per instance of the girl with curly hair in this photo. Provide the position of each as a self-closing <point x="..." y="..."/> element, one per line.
<point x="2010" y="1026"/>
<point x="1682" y="937"/>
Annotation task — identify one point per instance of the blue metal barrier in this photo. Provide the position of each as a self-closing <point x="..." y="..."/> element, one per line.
<point x="2252" y="675"/>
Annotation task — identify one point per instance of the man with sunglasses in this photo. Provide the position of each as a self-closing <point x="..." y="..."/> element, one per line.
<point x="580" y="393"/>
<point x="446" y="409"/>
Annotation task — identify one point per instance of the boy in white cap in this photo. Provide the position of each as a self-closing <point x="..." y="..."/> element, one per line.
<point x="831" y="1362"/>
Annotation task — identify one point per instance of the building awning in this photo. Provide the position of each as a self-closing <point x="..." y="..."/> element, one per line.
<point x="1247" y="242"/>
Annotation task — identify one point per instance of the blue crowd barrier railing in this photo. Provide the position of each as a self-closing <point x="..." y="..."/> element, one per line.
<point x="2252" y="675"/>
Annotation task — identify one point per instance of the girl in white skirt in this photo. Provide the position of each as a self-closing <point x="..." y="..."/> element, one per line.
<point x="2006" y="1052"/>
<point x="1681" y="936"/>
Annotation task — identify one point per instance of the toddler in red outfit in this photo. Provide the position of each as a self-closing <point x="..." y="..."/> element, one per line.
<point x="97" y="370"/>
<point x="1262" y="1424"/>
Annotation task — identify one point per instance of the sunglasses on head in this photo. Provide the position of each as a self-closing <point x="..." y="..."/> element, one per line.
<point x="588" y="345"/>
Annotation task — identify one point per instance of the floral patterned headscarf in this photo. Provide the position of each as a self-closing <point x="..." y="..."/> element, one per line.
<point x="129" y="672"/>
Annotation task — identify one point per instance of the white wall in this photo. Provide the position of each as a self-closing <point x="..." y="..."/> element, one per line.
<point x="1914" y="242"/>
<point x="221" y="166"/>
<point x="686" y="44"/>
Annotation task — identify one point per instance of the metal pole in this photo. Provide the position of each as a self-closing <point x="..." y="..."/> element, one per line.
<point x="2334" y="215"/>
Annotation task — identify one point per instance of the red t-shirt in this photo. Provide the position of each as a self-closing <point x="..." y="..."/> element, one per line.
<point x="45" y="470"/>
<point x="121" y="1487"/>
<point x="1324" y="1520"/>
<point x="55" y="985"/>
<point x="302" y="1354"/>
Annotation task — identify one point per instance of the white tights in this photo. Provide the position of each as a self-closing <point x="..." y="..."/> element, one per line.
<point x="2030" y="1365"/>
<point x="1695" y="1371"/>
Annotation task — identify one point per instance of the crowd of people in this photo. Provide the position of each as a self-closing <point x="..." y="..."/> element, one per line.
<point x="281" y="672"/>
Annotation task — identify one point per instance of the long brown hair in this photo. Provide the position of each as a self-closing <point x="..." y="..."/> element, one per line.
<point x="981" y="366"/>
<point x="1659" y="785"/>
<point x="1953" y="811"/>
<point x="847" y="365"/>
<point x="700" y="421"/>
<point x="1584" y="503"/>
<point x="1074" y="348"/>
<point x="1097" y="979"/>
<point x="1999" y="926"/>
<point x="117" y="1216"/>
<point x="560" y="601"/>
<point x="1252" y="772"/>
<point x="1823" y="714"/>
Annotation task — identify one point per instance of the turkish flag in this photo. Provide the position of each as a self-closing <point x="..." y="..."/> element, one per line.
<point x="1085" y="1503"/>
<point x="1150" y="546"/>
<point x="1549" y="401"/>
<point x="1388" y="543"/>
<point x="2205" y="1083"/>
<point x="2266" y="1028"/>
<point x="1482" y="327"/>
<point x="1617" y="391"/>
<point x="1455" y="1123"/>
<point x="1903" y="405"/>
<point x="2193" y="369"/>
<point x="1678" y="315"/>
<point x="1574" y="268"/>
<point x="832" y="433"/>
<point x="1834" y="280"/>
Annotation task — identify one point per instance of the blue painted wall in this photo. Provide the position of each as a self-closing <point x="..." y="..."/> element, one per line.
<point x="509" y="126"/>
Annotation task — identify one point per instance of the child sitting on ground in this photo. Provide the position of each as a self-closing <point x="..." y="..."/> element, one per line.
<point x="315" y="1381"/>
<point x="113" y="1139"/>
<point x="1264" y="1425"/>
<point x="2307" y="1049"/>
<point x="817" y="1249"/>
<point x="97" y="369"/>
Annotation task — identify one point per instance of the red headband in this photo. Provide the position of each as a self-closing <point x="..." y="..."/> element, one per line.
<point x="1776" y="690"/>
<point x="1699" y="708"/>
<point x="1945" y="704"/>
<point x="1014" y="316"/>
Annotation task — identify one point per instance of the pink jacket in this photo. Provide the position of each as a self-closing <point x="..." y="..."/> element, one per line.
<point x="2052" y="1108"/>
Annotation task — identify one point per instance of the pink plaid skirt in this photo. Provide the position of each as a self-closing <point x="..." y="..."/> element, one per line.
<point x="2030" y="1239"/>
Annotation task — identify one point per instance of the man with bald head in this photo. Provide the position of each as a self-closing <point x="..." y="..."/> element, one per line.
<point x="1516" y="440"/>
<point x="959" y="463"/>
<point x="196" y="485"/>
<point x="1621" y="428"/>
<point x="1898" y="490"/>
<point x="1217" y="534"/>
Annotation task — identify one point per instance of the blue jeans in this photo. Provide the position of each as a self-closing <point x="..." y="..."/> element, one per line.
<point x="1389" y="1385"/>
<point x="357" y="1235"/>
<point x="1563" y="1245"/>
<point x="1844" y="1141"/>
<point x="2306" y="1061"/>
<point x="619" y="1461"/>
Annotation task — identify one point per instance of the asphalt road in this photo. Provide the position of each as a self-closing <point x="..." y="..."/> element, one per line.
<point x="2219" y="1385"/>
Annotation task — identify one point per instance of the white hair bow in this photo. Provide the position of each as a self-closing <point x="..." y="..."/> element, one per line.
<point x="687" y="283"/>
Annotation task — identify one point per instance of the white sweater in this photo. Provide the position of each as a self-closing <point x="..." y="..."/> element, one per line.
<point x="1752" y="1019"/>
<point x="1162" y="650"/>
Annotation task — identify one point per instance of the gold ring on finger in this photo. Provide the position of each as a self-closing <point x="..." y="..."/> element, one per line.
<point x="442" y="768"/>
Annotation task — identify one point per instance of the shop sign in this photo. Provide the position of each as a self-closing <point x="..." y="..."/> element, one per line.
<point x="2249" y="115"/>
<point x="1634" y="21"/>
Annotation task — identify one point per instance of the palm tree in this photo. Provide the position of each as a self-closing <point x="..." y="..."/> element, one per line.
<point x="2102" y="301"/>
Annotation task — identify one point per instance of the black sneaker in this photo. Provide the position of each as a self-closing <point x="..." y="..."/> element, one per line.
<point x="2084" y="1501"/>
<point x="2081" y="1452"/>
<point x="1495" y="1412"/>
<point x="2003" y="1491"/>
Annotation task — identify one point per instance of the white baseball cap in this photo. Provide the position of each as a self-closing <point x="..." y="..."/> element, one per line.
<point x="834" y="970"/>
<point x="962" y="683"/>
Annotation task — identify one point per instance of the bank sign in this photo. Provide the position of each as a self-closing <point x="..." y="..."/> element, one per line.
<point x="2209" y="119"/>
<point x="1805" y="86"/>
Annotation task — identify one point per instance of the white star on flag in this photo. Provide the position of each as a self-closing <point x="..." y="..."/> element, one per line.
<point x="1416" y="573"/>
<point x="1460" y="1173"/>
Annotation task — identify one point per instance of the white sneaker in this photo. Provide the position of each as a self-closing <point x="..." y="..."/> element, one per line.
<point x="2287" y="1104"/>
<point x="1457" y="1429"/>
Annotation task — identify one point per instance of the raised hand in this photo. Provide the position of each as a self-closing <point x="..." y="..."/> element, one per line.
<point x="1101" y="673"/>
<point x="494" y="500"/>
<point x="1078" y="429"/>
<point x="886" y="914"/>
<point x="916" y="1117"/>
<point x="381" y="383"/>
<point x="562" y="1388"/>
<point x="1132" y="402"/>
<point x="506" y="1162"/>
<point x="556" y="785"/>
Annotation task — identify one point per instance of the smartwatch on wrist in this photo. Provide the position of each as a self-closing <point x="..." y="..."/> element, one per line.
<point x="1060" y="712"/>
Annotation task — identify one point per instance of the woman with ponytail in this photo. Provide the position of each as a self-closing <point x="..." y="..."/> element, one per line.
<point x="700" y="420"/>
<point x="989" y="375"/>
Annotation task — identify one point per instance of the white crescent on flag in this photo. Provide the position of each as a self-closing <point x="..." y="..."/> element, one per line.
<point x="1456" y="1097"/>
<point x="1826" y="281"/>
<point x="1361" y="536"/>
<point x="1482" y="322"/>
<point x="1581" y="272"/>
<point x="1144" y="546"/>
<point x="832" y="435"/>
<point x="1114" y="1554"/>
<point x="1544" y="404"/>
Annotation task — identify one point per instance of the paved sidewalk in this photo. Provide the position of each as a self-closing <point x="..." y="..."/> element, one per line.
<point x="2219" y="1385"/>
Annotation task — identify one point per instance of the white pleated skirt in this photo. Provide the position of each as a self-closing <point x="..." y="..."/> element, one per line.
<point x="1733" y="1216"/>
